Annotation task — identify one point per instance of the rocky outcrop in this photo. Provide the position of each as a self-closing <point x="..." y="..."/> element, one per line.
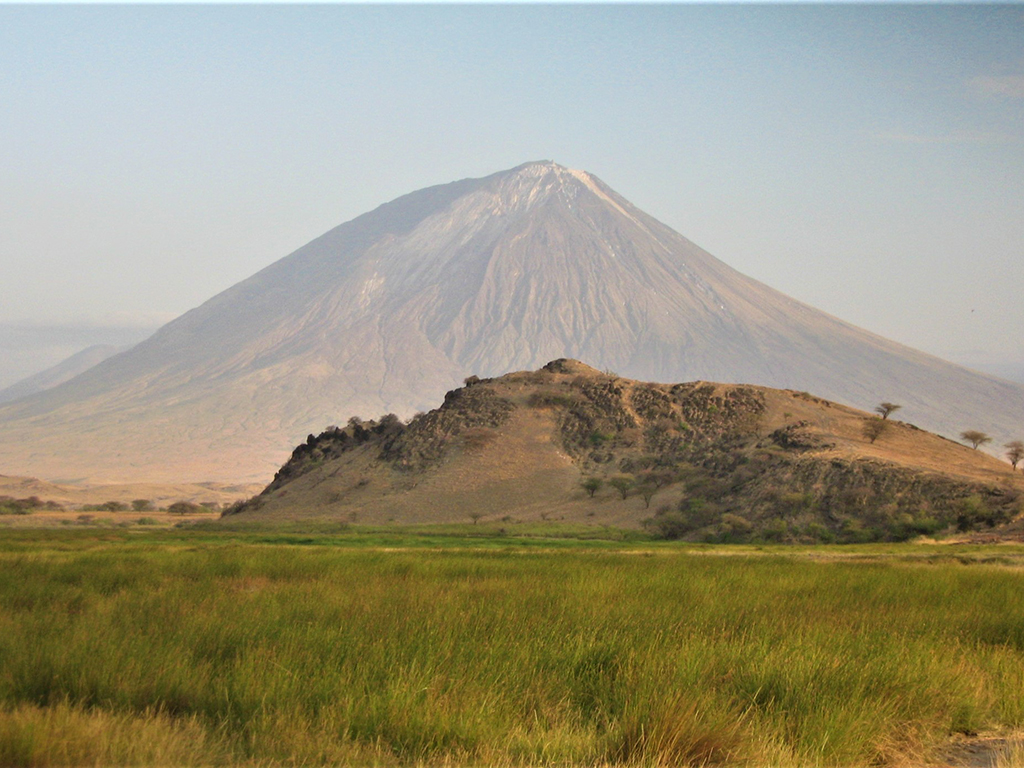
<point x="718" y="461"/>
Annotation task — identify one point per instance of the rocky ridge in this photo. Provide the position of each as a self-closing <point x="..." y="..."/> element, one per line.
<point x="698" y="460"/>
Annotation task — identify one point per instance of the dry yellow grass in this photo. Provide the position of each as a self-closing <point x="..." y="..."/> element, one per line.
<point x="903" y="444"/>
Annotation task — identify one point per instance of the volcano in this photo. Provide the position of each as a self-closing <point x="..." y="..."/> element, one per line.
<point x="481" y="276"/>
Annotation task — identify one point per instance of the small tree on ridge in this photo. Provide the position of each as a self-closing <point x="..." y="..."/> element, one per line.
<point x="975" y="438"/>
<point x="1014" y="452"/>
<point x="875" y="428"/>
<point x="884" y="409"/>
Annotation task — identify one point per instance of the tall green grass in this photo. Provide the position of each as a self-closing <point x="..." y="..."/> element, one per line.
<point x="150" y="650"/>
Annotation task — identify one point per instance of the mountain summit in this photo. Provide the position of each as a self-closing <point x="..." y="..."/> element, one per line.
<point x="482" y="276"/>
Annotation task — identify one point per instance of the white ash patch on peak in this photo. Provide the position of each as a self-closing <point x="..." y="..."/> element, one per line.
<point x="534" y="183"/>
<point x="370" y="288"/>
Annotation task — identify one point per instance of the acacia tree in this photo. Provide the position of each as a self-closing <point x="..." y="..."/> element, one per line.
<point x="975" y="438"/>
<point x="874" y="428"/>
<point x="623" y="484"/>
<point x="592" y="485"/>
<point x="1014" y="452"/>
<point x="886" y="408"/>
<point x="658" y="477"/>
<point x="647" y="491"/>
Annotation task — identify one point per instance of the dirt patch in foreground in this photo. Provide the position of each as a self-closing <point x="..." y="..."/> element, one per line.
<point x="989" y="750"/>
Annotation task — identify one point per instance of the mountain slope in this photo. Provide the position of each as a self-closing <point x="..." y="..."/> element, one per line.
<point x="697" y="459"/>
<point x="64" y="371"/>
<point x="388" y="311"/>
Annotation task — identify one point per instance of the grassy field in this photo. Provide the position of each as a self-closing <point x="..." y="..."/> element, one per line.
<point x="469" y="646"/>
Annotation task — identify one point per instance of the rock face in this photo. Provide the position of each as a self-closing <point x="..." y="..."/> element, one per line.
<point x="697" y="460"/>
<point x="481" y="276"/>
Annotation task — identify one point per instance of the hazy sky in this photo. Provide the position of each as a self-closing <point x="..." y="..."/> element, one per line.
<point x="868" y="160"/>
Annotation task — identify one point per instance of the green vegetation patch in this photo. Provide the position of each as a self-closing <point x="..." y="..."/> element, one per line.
<point x="197" y="647"/>
<point x="12" y="506"/>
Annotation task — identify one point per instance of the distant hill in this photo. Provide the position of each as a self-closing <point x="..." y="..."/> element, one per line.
<point x="58" y="374"/>
<point x="1010" y="371"/>
<point x="698" y="459"/>
<point x="480" y="276"/>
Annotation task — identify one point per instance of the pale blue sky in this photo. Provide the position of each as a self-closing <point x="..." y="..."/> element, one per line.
<point x="866" y="159"/>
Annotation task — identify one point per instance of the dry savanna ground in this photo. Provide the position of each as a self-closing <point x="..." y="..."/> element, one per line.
<point x="75" y="504"/>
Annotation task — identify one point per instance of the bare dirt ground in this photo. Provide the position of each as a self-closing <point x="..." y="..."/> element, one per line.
<point x="991" y="750"/>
